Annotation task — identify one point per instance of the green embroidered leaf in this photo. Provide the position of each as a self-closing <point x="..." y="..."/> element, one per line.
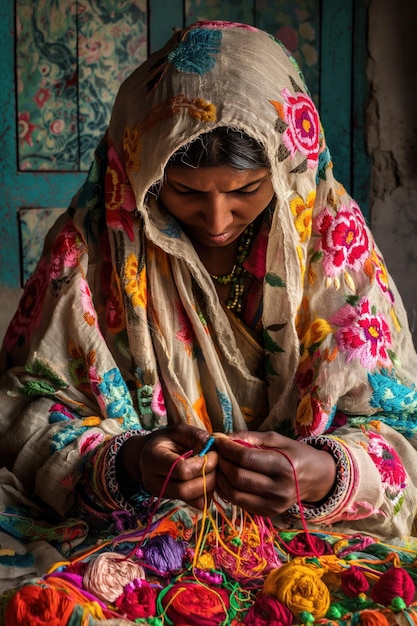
<point x="353" y="300"/>
<point x="270" y="344"/>
<point x="39" y="368"/>
<point x="316" y="256"/>
<point x="270" y="370"/>
<point x="393" y="358"/>
<point x="38" y="388"/>
<point x="274" y="280"/>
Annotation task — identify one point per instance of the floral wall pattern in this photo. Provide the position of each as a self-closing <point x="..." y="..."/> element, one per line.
<point x="71" y="57"/>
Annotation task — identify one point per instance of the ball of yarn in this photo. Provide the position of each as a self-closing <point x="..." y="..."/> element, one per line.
<point x="353" y="582"/>
<point x="196" y="605"/>
<point x="372" y="618"/>
<point x="107" y="574"/>
<point x="38" y="605"/>
<point x="163" y="553"/>
<point x="299" y="587"/>
<point x="268" y="611"/>
<point x="306" y="544"/>
<point x="396" y="581"/>
<point x="138" y="600"/>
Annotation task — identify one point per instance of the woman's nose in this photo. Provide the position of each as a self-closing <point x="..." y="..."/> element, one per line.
<point x="218" y="214"/>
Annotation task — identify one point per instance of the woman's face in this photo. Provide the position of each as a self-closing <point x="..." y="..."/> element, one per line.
<point x="215" y="204"/>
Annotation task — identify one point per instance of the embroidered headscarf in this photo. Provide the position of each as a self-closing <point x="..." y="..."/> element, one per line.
<point x="118" y="333"/>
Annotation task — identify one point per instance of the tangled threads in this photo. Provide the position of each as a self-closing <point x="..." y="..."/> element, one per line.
<point x="107" y="574"/>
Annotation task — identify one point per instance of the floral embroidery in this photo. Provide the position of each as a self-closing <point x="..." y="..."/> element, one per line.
<point x="303" y="212"/>
<point x="196" y="52"/>
<point x="117" y="400"/>
<point x="363" y="334"/>
<point x="391" y="395"/>
<point x="313" y="336"/>
<point x="311" y="419"/>
<point x="345" y="241"/>
<point x="200" y="408"/>
<point x="390" y="468"/>
<point x="300" y="127"/>
<point x="136" y="286"/>
<point x="158" y="402"/>
<point x="87" y="303"/>
<point x="119" y="196"/>
<point x="185" y="334"/>
<point x="81" y="367"/>
<point x="67" y="250"/>
<point x="375" y="266"/>
<point x="90" y="440"/>
<point x="132" y="145"/>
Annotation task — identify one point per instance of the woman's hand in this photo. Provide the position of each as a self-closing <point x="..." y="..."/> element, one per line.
<point x="149" y="459"/>
<point x="259" y="477"/>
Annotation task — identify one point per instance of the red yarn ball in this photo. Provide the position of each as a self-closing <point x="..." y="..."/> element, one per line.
<point x="353" y="582"/>
<point x="306" y="544"/>
<point x="268" y="611"/>
<point x="394" y="582"/>
<point x="191" y="604"/>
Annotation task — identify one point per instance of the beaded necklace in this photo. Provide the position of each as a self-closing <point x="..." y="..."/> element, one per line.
<point x="237" y="276"/>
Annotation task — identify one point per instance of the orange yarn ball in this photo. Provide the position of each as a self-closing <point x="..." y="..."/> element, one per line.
<point x="38" y="605"/>
<point x="373" y="618"/>
<point x="300" y="588"/>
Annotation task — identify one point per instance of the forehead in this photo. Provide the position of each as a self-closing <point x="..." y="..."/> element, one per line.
<point x="206" y="178"/>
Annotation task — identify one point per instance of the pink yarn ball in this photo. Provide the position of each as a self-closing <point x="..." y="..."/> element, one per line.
<point x="354" y="582"/>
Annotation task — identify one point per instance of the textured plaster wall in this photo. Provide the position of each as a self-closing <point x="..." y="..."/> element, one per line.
<point x="392" y="141"/>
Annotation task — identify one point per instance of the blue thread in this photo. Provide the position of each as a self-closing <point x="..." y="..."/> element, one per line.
<point x="207" y="447"/>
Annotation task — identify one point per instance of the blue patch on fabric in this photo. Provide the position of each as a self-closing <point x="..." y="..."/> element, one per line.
<point x="195" y="53"/>
<point x="226" y="407"/>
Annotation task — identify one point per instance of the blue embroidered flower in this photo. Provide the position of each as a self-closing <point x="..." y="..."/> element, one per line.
<point x="195" y="53"/>
<point x="171" y="228"/>
<point x="115" y="393"/>
<point x="392" y="396"/>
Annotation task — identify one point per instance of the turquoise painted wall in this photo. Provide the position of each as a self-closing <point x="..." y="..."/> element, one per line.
<point x="57" y="91"/>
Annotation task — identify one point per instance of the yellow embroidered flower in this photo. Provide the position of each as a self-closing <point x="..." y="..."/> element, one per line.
<point x="315" y="334"/>
<point x="303" y="213"/>
<point x="135" y="282"/>
<point x="200" y="408"/>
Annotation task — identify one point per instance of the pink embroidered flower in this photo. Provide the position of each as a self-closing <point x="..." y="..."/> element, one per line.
<point x="185" y="334"/>
<point x="66" y="251"/>
<point x="90" y="440"/>
<point x="345" y="241"/>
<point x="303" y="130"/>
<point x="120" y="199"/>
<point x="158" y="401"/>
<point x="363" y="334"/>
<point x="388" y="464"/>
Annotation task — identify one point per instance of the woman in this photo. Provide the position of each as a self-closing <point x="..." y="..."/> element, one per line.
<point x="211" y="276"/>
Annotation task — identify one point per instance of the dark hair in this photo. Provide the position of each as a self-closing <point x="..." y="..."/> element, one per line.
<point x="221" y="146"/>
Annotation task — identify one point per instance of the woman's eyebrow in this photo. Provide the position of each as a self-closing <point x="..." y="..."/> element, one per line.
<point x="252" y="182"/>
